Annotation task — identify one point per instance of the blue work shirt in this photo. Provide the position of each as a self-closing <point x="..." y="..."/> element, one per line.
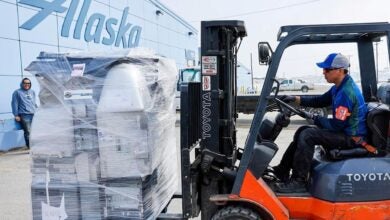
<point x="348" y="106"/>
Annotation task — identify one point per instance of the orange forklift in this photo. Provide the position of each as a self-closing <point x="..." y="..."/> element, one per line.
<point x="222" y="181"/>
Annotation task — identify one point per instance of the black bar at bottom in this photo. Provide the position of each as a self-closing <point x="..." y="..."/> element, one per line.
<point x="170" y="216"/>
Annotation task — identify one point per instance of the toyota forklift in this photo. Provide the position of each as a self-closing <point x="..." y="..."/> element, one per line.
<point x="221" y="180"/>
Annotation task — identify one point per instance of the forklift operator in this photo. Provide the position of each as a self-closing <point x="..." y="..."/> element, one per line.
<point x="345" y="130"/>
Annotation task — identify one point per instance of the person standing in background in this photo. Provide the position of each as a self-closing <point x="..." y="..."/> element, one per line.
<point x="24" y="106"/>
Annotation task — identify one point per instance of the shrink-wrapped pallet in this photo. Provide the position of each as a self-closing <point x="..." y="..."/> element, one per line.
<point x="103" y="141"/>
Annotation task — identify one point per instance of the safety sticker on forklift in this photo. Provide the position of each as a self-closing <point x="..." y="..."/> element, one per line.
<point x="209" y="65"/>
<point x="206" y="83"/>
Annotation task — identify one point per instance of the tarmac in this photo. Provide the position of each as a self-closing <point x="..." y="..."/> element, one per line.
<point x="15" y="176"/>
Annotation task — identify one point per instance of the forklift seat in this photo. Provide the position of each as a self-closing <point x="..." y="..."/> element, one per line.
<point x="378" y="125"/>
<point x="261" y="156"/>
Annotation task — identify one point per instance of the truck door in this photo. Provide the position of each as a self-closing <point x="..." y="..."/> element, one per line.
<point x="291" y="85"/>
<point x="284" y="85"/>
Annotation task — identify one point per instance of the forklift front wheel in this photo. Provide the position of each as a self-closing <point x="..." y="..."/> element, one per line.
<point x="236" y="213"/>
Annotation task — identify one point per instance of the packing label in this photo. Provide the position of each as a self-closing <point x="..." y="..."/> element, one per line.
<point x="78" y="94"/>
<point x="78" y="69"/>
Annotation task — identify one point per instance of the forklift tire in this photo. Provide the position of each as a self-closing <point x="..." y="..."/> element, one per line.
<point x="236" y="213"/>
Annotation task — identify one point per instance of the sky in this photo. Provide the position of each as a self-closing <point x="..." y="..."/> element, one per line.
<point x="263" y="19"/>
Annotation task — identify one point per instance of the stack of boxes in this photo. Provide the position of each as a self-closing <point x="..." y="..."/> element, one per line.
<point x="103" y="140"/>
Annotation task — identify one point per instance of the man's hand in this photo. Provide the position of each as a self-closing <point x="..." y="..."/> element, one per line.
<point x="288" y="98"/>
<point x="17" y="118"/>
<point x="308" y="115"/>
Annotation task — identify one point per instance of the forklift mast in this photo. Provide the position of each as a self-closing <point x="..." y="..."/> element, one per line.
<point x="219" y="47"/>
<point x="208" y="118"/>
<point x="218" y="53"/>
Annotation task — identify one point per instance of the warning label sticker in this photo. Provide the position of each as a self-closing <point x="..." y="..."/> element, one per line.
<point x="206" y="83"/>
<point x="209" y="65"/>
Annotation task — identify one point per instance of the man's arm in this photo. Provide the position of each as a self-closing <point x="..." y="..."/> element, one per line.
<point x="343" y="110"/>
<point x="330" y="123"/>
<point x="15" y="106"/>
<point x="323" y="100"/>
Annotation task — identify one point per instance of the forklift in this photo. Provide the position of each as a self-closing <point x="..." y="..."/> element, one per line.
<point x="221" y="180"/>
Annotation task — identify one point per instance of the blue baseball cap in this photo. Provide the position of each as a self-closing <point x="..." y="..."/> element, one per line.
<point x="334" y="60"/>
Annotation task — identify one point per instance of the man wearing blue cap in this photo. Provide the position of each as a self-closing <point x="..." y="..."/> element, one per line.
<point x="348" y="123"/>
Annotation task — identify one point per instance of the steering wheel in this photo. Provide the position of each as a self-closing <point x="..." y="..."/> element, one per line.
<point x="280" y="104"/>
<point x="295" y="110"/>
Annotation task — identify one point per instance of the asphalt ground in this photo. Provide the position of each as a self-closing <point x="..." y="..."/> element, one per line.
<point x="15" y="176"/>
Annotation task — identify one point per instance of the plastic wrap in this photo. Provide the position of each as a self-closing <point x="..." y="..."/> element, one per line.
<point x="103" y="141"/>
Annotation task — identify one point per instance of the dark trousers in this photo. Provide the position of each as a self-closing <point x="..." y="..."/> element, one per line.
<point x="299" y="153"/>
<point x="25" y="121"/>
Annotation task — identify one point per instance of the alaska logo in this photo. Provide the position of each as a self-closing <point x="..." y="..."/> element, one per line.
<point x="127" y="34"/>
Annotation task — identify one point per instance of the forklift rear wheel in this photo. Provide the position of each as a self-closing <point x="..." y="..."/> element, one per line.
<point x="236" y="213"/>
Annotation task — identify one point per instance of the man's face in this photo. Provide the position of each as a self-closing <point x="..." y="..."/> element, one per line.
<point x="26" y="84"/>
<point x="333" y="75"/>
